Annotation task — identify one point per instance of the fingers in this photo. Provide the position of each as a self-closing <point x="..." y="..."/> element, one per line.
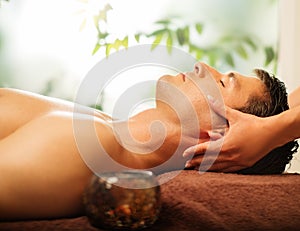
<point x="199" y="149"/>
<point x="215" y="135"/>
<point x="206" y="155"/>
<point x="205" y="161"/>
<point x="211" y="164"/>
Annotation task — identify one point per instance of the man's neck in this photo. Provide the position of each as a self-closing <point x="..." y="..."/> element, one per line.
<point x="158" y="136"/>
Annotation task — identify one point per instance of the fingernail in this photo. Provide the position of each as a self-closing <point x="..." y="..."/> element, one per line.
<point x="187" y="164"/>
<point x="188" y="151"/>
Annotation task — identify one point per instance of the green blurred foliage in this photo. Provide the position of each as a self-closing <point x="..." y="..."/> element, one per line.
<point x="169" y="34"/>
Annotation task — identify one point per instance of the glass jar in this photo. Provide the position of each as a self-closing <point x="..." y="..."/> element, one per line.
<point x="122" y="200"/>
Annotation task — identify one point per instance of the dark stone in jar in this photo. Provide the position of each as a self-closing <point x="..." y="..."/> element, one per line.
<point x="122" y="200"/>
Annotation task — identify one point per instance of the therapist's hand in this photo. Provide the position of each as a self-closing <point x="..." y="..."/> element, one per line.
<point x="247" y="140"/>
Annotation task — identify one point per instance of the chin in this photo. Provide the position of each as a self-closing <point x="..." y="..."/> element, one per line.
<point x="166" y="88"/>
<point x="167" y="81"/>
<point x="166" y="78"/>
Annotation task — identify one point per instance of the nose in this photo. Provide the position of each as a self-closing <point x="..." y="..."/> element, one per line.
<point x="202" y="69"/>
<point x="198" y="68"/>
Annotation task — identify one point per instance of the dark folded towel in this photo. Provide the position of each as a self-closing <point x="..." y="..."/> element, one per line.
<point x="210" y="201"/>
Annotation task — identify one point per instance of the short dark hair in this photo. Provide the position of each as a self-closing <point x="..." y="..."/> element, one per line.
<point x="273" y="101"/>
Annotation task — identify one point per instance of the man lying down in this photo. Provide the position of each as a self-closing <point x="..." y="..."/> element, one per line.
<point x="44" y="171"/>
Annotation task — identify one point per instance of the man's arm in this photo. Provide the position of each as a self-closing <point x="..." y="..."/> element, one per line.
<point x="288" y="125"/>
<point x="249" y="138"/>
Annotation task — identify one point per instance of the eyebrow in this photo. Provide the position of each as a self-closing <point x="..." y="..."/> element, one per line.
<point x="235" y="80"/>
<point x="231" y="74"/>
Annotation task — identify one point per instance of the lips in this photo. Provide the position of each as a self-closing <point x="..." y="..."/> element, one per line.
<point x="183" y="76"/>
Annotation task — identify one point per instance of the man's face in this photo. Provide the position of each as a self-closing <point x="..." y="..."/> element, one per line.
<point x="233" y="88"/>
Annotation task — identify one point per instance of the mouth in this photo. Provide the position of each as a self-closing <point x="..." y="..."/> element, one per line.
<point x="183" y="77"/>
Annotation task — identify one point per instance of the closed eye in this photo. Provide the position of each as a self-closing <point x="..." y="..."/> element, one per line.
<point x="222" y="83"/>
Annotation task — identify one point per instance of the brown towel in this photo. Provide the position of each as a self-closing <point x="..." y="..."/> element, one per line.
<point x="216" y="201"/>
<point x="209" y="201"/>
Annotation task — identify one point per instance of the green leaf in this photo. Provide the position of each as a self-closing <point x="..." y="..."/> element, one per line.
<point x="117" y="44"/>
<point x="226" y="39"/>
<point x="96" y="48"/>
<point x="156" y="41"/>
<point x="199" y="54"/>
<point x="164" y="21"/>
<point x="108" y="48"/>
<point x="242" y="52"/>
<point x="50" y="86"/>
<point x="169" y="42"/>
<point x="229" y="59"/>
<point x="107" y="7"/>
<point x="98" y="107"/>
<point x="96" y="21"/>
<point x="102" y="35"/>
<point x="180" y="36"/>
<point x="270" y="55"/>
<point x="82" y="25"/>
<point x="199" y="28"/>
<point x="137" y="37"/>
<point x="186" y="31"/>
<point x="157" y="32"/>
<point x="212" y="59"/>
<point x="103" y="13"/>
<point x="192" y="48"/>
<point x="125" y="42"/>
<point x="197" y="50"/>
<point x="250" y="42"/>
